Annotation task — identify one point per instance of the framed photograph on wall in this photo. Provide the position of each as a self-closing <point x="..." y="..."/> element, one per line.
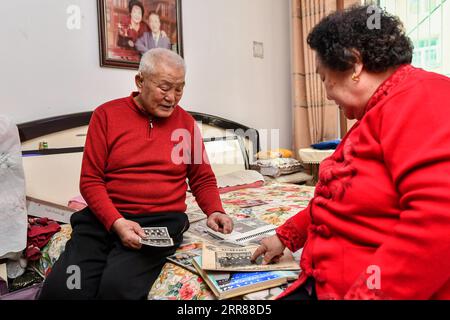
<point x="129" y="28"/>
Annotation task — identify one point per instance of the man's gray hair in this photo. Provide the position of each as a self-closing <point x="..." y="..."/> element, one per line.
<point x="157" y="55"/>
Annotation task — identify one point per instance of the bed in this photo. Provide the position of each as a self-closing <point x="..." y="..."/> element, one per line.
<point x="52" y="179"/>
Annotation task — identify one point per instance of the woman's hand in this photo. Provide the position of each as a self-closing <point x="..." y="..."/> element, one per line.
<point x="129" y="232"/>
<point x="272" y="249"/>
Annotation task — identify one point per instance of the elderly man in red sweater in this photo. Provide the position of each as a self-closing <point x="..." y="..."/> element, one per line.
<point x="133" y="176"/>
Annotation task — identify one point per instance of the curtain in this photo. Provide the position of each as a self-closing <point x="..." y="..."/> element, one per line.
<point x="315" y="118"/>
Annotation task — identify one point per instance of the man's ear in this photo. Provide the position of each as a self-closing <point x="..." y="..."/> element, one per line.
<point x="139" y="79"/>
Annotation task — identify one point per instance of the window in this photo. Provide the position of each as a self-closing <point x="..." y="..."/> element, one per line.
<point x="414" y="6"/>
<point x="427" y="23"/>
<point x="427" y="53"/>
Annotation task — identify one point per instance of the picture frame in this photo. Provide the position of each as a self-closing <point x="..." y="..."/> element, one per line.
<point x="126" y="30"/>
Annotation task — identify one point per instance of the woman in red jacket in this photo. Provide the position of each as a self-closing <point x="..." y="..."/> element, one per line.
<point x="133" y="26"/>
<point x="378" y="226"/>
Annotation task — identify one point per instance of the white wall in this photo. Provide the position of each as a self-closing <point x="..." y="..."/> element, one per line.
<point x="49" y="70"/>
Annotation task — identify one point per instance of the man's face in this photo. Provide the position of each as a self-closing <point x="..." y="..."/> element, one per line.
<point x="162" y="90"/>
<point x="155" y="23"/>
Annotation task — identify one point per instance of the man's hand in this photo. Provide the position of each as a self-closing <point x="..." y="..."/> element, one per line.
<point x="219" y="221"/>
<point x="272" y="249"/>
<point x="129" y="233"/>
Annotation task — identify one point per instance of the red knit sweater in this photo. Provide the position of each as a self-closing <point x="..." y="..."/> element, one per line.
<point x="128" y="166"/>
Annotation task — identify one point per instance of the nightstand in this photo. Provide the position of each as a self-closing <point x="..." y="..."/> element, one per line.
<point x="314" y="157"/>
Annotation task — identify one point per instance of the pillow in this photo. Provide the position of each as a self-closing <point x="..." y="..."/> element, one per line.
<point x="77" y="203"/>
<point x="325" y="145"/>
<point x="239" y="180"/>
<point x="277" y="167"/>
<point x="297" y="177"/>
<point x="273" y="154"/>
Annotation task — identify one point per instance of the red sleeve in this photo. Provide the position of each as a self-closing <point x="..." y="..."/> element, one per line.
<point x="294" y="231"/>
<point x="414" y="262"/>
<point x="201" y="177"/>
<point x="92" y="182"/>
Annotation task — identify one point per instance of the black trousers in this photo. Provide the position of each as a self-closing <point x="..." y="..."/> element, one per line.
<point x="107" y="269"/>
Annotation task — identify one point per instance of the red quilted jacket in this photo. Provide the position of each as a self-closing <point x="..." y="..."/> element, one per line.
<point x="378" y="226"/>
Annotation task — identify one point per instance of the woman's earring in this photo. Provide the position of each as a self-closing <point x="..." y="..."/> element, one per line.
<point x="355" y="77"/>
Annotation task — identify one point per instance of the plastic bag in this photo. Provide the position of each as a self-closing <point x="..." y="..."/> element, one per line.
<point x="13" y="215"/>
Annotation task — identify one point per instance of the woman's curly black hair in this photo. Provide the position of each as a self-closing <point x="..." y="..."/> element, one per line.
<point x="133" y="3"/>
<point x="336" y="37"/>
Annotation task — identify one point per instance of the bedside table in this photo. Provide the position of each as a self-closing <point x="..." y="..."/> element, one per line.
<point x="314" y="157"/>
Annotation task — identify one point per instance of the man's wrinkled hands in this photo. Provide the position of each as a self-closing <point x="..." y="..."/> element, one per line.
<point x="129" y="232"/>
<point x="220" y="222"/>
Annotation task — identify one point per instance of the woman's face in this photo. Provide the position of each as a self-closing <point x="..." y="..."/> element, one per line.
<point x="136" y="14"/>
<point x="341" y="89"/>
